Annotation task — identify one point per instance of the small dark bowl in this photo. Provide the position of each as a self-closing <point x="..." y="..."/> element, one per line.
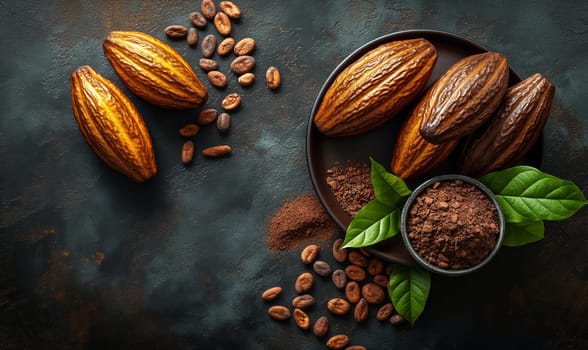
<point x="423" y="262"/>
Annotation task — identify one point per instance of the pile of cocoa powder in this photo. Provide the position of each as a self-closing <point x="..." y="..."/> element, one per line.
<point x="453" y="225"/>
<point x="351" y="185"/>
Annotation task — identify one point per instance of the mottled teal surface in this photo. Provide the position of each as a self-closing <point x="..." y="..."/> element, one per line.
<point x="185" y="258"/>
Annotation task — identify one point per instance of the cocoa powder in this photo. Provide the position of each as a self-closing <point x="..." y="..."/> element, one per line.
<point x="351" y="185"/>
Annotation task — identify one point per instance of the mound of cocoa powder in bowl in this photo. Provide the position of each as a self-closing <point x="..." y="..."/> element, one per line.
<point x="453" y="225"/>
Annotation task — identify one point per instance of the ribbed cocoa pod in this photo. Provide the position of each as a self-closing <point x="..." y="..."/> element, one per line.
<point x="374" y="88"/>
<point x="464" y="97"/>
<point x="512" y="131"/>
<point x="154" y="71"/>
<point x="413" y="155"/>
<point x="111" y="124"/>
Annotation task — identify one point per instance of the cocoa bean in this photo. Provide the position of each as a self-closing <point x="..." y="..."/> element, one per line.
<point x="373" y="293"/>
<point x="339" y="279"/>
<point x="279" y="312"/>
<point x="217" y="151"/>
<point x="243" y="64"/>
<point x="208" y="64"/>
<point x="361" y="311"/>
<point x="355" y="257"/>
<point x="382" y="280"/>
<point x="322" y="268"/>
<point x="246" y="79"/>
<point x="338" y="306"/>
<point x="189" y="130"/>
<point x="244" y="46"/>
<point x="208" y="45"/>
<point x="198" y="20"/>
<point x="271" y="293"/>
<point x="339" y="254"/>
<point x="208" y="9"/>
<point x="217" y="79"/>
<point x="321" y="326"/>
<point x="273" y="79"/>
<point x="223" y="122"/>
<point x="309" y="253"/>
<point x="384" y="312"/>
<point x="192" y="38"/>
<point x="302" y="320"/>
<point x="226" y="46"/>
<point x="207" y="116"/>
<point x="355" y="273"/>
<point x="375" y="266"/>
<point x="364" y="252"/>
<point x="231" y="102"/>
<point x="355" y="347"/>
<point x="222" y="23"/>
<point x="304" y="283"/>
<point x="175" y="31"/>
<point x="232" y="10"/>
<point x="187" y="152"/>
<point x="303" y="301"/>
<point x="396" y="320"/>
<point x="352" y="292"/>
<point x="337" y="342"/>
<point x="388" y="269"/>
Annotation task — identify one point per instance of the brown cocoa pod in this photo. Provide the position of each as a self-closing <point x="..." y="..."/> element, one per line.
<point x="382" y="280"/>
<point x="217" y="79"/>
<point x="376" y="87"/>
<point x="222" y="23"/>
<point x="192" y="38"/>
<point x="339" y="254"/>
<point x="337" y="342"/>
<point x="208" y="9"/>
<point x="208" y="45"/>
<point x="246" y="79"/>
<point x="310" y="253"/>
<point x="396" y="320"/>
<point x="226" y="46"/>
<point x="175" y="31"/>
<point x="231" y="102"/>
<point x="189" y="130"/>
<point x="338" y="306"/>
<point x="217" y="151"/>
<point x="198" y="20"/>
<point x="373" y="293"/>
<point x="513" y="129"/>
<point x="464" y="97"/>
<point x="244" y="46"/>
<point x="223" y="122"/>
<point x="232" y="10"/>
<point x="384" y="312"/>
<point x="355" y="257"/>
<point x="303" y="301"/>
<point x="361" y="311"/>
<point x="243" y="64"/>
<point x="208" y="64"/>
<point x="352" y="292"/>
<point x="187" y="152"/>
<point x="375" y="266"/>
<point x="355" y="273"/>
<point x="322" y="268"/>
<point x="339" y="279"/>
<point x="271" y="293"/>
<point x="273" y="79"/>
<point x="207" y="116"/>
<point x="321" y="326"/>
<point x="304" y="283"/>
<point x="302" y="319"/>
<point x="279" y="312"/>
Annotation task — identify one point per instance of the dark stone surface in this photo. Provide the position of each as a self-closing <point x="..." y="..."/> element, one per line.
<point x="184" y="257"/>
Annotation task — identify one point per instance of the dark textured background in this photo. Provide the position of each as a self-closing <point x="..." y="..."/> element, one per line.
<point x="184" y="254"/>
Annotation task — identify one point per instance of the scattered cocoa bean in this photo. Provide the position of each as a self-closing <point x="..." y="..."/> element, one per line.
<point x="302" y="320"/>
<point x="279" y="312"/>
<point x="321" y="326"/>
<point x="373" y="293"/>
<point x="352" y="292"/>
<point x="337" y="342"/>
<point x="361" y="311"/>
<point x="355" y="347"/>
<point x="243" y="64"/>
<point x="303" y="301"/>
<point x="271" y="293"/>
<point x="389" y="268"/>
<point x="231" y="102"/>
<point x="272" y="78"/>
<point x="375" y="266"/>
<point x="244" y="46"/>
<point x="338" y="306"/>
<point x="208" y="45"/>
<point x="189" y="130"/>
<point x="397" y="320"/>
<point x="223" y="122"/>
<point x="175" y="31"/>
<point x="232" y="10"/>
<point x="246" y="79"/>
<point x="222" y="23"/>
<point x="207" y="116"/>
<point x="198" y="20"/>
<point x="187" y="152"/>
<point x="384" y="312"/>
<point x="322" y="268"/>
<point x="208" y="64"/>
<point x="382" y="280"/>
<point x="192" y="38"/>
<point x="304" y="283"/>
<point x="208" y="9"/>
<point x="226" y="46"/>
<point x="339" y="279"/>
<point x="339" y="254"/>
<point x="355" y="273"/>
<point x="217" y="79"/>
<point x="355" y="257"/>
<point x="309" y="253"/>
<point x="217" y="151"/>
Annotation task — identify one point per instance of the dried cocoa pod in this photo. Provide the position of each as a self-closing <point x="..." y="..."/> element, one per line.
<point x="374" y="88"/>
<point x="154" y="71"/>
<point x="512" y="131"/>
<point x="464" y="97"/>
<point x="413" y="155"/>
<point x="112" y="125"/>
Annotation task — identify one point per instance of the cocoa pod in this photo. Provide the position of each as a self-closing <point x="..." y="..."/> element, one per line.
<point x="464" y="97"/>
<point x="154" y="71"/>
<point x="112" y="125"/>
<point x="512" y="131"/>
<point x="375" y="87"/>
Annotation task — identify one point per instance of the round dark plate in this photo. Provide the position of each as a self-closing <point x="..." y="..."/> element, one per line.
<point x="323" y="151"/>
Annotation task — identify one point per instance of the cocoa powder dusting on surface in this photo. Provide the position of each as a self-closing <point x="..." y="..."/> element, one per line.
<point x="300" y="220"/>
<point x="453" y="225"/>
<point x="351" y="185"/>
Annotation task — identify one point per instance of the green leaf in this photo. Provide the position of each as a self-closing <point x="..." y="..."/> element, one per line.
<point x="374" y="223"/>
<point x="388" y="188"/>
<point x="527" y="194"/>
<point x="409" y="289"/>
<point x="521" y="233"/>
